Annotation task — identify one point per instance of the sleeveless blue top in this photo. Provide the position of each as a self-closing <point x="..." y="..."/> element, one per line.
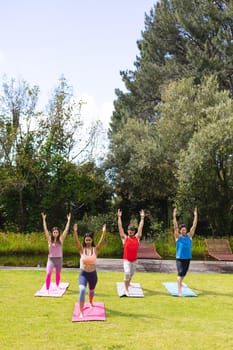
<point x="184" y="247"/>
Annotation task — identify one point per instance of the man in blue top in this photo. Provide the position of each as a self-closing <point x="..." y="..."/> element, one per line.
<point x="183" y="247"/>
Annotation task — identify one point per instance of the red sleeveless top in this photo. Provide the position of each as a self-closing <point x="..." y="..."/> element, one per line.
<point x="131" y="245"/>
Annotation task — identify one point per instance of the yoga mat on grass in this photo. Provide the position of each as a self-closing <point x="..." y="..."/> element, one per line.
<point x="53" y="291"/>
<point x="94" y="313"/>
<point x="135" y="290"/>
<point x="173" y="289"/>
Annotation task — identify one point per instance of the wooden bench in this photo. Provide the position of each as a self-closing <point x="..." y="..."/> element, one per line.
<point x="147" y="251"/>
<point x="219" y="249"/>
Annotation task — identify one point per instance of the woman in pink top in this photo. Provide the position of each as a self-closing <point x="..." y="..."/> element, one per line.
<point x="55" y="242"/>
<point x="88" y="275"/>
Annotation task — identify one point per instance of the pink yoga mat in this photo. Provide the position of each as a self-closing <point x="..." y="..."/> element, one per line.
<point x="95" y="313"/>
<point x="53" y="291"/>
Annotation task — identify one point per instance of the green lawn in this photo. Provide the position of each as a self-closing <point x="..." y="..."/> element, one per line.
<point x="158" y="321"/>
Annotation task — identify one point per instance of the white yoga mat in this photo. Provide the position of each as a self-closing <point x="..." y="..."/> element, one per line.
<point x="135" y="290"/>
<point x="53" y="290"/>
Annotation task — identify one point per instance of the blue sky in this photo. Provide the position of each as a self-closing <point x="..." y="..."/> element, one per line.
<point x="89" y="41"/>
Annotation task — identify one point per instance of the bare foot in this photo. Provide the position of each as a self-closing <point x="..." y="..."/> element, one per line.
<point x="81" y="315"/>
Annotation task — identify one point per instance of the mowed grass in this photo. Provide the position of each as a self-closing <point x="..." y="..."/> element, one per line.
<point x="157" y="321"/>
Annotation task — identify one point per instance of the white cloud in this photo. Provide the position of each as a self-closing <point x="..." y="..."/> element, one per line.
<point x="106" y="113"/>
<point x="92" y="111"/>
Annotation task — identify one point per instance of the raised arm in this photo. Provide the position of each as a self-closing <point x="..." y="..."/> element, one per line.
<point x="175" y="224"/>
<point x="193" y="228"/>
<point x="76" y="239"/>
<point x="66" y="230"/>
<point x="101" y="241"/>
<point x="120" y="227"/>
<point x="46" y="231"/>
<point x="141" y="224"/>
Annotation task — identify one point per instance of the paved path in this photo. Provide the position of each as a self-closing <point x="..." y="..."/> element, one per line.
<point x="149" y="265"/>
<point x="150" y="261"/>
<point x="169" y="266"/>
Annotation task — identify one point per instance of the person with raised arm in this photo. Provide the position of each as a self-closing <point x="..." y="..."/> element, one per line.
<point x="88" y="254"/>
<point x="55" y="255"/>
<point x="183" y="240"/>
<point x="131" y="244"/>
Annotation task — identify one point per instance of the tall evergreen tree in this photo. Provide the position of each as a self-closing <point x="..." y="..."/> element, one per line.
<point x="181" y="39"/>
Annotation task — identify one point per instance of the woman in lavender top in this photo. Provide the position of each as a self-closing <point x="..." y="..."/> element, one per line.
<point x="55" y="256"/>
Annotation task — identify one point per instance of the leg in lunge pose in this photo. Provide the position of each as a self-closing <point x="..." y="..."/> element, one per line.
<point x="90" y="279"/>
<point x="88" y="275"/>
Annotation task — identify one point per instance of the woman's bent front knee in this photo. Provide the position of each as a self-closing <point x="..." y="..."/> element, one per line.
<point x="82" y="291"/>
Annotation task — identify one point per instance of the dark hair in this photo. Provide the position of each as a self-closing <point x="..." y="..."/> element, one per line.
<point x="55" y="228"/>
<point x="181" y="226"/>
<point x="88" y="234"/>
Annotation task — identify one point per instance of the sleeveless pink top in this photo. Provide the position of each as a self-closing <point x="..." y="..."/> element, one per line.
<point x="55" y="250"/>
<point x="88" y="259"/>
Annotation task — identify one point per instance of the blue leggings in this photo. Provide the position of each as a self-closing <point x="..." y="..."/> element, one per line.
<point x="85" y="278"/>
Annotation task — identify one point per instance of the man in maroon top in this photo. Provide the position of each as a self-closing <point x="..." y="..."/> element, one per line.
<point x="131" y="244"/>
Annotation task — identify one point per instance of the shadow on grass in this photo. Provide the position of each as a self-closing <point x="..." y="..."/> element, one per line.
<point x="151" y="293"/>
<point x="72" y="291"/>
<point x="202" y="292"/>
<point x="112" y="313"/>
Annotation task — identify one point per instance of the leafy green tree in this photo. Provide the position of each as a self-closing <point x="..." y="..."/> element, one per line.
<point x="65" y="185"/>
<point x="59" y="124"/>
<point x="139" y="173"/>
<point x="37" y="166"/>
<point x="18" y="147"/>
<point x="187" y="107"/>
<point x="199" y="149"/>
<point x="205" y="175"/>
<point x="18" y="103"/>
<point x="82" y="190"/>
<point x="181" y="39"/>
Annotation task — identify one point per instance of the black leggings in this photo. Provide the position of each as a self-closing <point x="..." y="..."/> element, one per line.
<point x="182" y="266"/>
